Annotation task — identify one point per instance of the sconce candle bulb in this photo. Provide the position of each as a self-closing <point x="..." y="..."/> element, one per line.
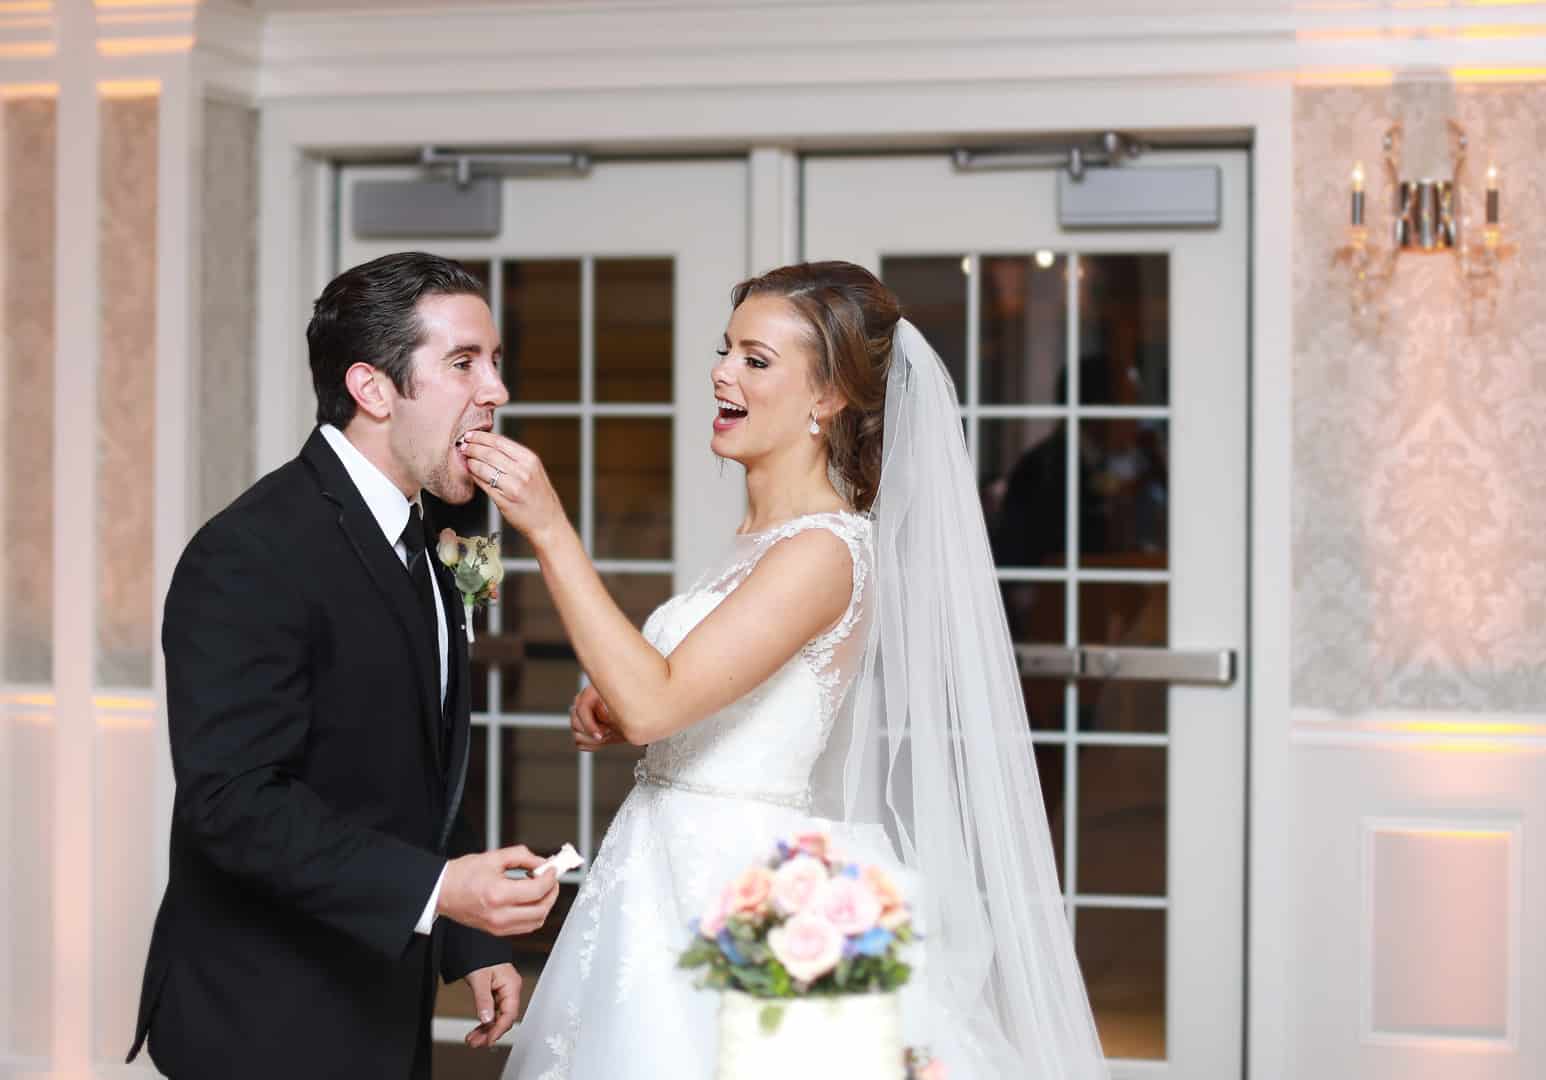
<point x="1425" y="219"/>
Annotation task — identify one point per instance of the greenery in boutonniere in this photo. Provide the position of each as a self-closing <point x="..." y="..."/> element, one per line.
<point x="474" y="563"/>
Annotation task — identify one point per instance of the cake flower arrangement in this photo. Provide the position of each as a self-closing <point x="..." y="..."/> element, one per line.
<point x="806" y="925"/>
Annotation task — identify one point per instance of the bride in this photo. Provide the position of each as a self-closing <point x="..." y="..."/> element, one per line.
<point x="848" y="668"/>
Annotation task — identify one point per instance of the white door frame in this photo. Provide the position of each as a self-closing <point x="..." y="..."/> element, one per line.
<point x="299" y="136"/>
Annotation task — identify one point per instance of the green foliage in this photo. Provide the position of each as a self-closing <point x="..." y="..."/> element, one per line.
<point x="762" y="976"/>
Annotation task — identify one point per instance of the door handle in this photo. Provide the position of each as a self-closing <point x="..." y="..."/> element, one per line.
<point x="1196" y="667"/>
<point x="1048" y="661"/>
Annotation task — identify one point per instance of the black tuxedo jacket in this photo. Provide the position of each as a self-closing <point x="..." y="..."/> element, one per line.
<point x="314" y="806"/>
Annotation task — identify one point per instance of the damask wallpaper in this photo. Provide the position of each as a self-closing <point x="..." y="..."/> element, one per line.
<point x="1419" y="455"/>
<point x="226" y="378"/>
<point x="27" y="394"/>
<point x="126" y="394"/>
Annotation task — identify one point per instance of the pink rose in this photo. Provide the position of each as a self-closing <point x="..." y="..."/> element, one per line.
<point x="807" y="945"/>
<point x="796" y="882"/>
<point x="849" y="905"/>
<point x="713" y="920"/>
<point x="934" y="1070"/>
<point x="748" y="894"/>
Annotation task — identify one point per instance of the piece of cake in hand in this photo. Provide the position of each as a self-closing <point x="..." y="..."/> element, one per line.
<point x="565" y="860"/>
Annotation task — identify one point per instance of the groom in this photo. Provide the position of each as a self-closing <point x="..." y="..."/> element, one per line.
<point x="318" y="708"/>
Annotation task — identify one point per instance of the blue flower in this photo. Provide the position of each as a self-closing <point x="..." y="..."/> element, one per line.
<point x="872" y="942"/>
<point x="727" y="946"/>
<point x="850" y="871"/>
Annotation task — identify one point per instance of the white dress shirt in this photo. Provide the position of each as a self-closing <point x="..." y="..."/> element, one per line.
<point x="391" y="509"/>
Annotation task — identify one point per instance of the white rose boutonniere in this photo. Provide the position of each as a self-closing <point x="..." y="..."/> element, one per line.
<point x="474" y="563"/>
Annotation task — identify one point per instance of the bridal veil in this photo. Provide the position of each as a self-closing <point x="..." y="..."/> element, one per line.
<point x="933" y="744"/>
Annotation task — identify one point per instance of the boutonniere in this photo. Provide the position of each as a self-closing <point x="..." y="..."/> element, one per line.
<point x="474" y="563"/>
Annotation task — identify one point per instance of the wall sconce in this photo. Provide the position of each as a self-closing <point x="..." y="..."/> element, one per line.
<point x="1426" y="219"/>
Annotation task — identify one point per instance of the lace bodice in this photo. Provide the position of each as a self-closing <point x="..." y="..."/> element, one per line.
<point x="765" y="744"/>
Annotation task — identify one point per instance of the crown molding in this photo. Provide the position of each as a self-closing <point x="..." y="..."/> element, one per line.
<point x="543" y="46"/>
<point x="537" y="46"/>
<point x="134" y="40"/>
<point x="229" y="54"/>
<point x="27" y="49"/>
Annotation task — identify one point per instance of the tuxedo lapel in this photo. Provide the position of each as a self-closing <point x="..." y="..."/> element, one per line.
<point x="391" y="579"/>
<point x="459" y="695"/>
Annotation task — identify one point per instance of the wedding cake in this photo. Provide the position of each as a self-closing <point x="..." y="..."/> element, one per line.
<point x="818" y="939"/>
<point x="847" y="1036"/>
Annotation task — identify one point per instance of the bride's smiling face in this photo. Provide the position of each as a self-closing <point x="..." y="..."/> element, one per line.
<point x="763" y="382"/>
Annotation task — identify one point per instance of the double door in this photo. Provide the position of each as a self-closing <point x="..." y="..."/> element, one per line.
<point x="1103" y="382"/>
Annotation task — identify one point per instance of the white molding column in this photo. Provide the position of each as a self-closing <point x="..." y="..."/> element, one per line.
<point x="77" y="323"/>
<point x="295" y="244"/>
<point x="1269" y="865"/>
<point x="773" y="222"/>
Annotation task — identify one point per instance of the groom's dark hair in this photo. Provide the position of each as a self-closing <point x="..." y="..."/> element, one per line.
<point x="368" y="314"/>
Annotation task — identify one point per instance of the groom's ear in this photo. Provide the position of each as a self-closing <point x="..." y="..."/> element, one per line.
<point x="367" y="386"/>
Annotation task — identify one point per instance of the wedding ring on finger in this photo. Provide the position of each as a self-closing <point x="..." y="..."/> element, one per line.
<point x="494" y="480"/>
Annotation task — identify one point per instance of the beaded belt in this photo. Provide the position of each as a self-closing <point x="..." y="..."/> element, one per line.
<point x="642" y="775"/>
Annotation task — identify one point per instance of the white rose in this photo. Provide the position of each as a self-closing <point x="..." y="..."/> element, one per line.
<point x="494" y="570"/>
<point x="447" y="548"/>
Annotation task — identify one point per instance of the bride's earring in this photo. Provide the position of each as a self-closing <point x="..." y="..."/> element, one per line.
<point x="815" y="427"/>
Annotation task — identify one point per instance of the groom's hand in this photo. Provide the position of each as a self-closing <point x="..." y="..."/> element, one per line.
<point x="496" y="993"/>
<point x="476" y="892"/>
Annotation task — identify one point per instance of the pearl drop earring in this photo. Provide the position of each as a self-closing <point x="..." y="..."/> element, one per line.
<point x="815" y="427"/>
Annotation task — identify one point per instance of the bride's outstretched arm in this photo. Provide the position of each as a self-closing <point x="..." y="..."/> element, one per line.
<point x="800" y="588"/>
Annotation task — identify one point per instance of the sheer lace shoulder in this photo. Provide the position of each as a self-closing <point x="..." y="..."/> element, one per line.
<point x="825" y="653"/>
<point x="852" y="529"/>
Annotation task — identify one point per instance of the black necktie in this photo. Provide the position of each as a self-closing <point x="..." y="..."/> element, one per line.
<point x="416" y="541"/>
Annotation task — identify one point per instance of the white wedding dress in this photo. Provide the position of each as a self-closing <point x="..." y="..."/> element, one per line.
<point x="710" y="801"/>
<point x="917" y="690"/>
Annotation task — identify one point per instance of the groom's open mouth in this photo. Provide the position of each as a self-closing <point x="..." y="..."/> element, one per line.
<point x="730" y="414"/>
<point x="459" y="446"/>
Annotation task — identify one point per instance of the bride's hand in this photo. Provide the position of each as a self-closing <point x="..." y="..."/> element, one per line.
<point x="588" y="718"/>
<point x="515" y="479"/>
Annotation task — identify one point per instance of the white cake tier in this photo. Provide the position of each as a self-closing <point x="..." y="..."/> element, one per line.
<point x="852" y="1037"/>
